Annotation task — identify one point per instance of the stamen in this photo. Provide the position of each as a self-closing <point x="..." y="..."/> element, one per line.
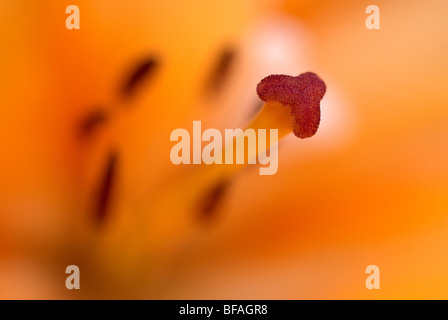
<point x="105" y="188"/>
<point x="213" y="199"/>
<point x="221" y="70"/>
<point x="92" y="121"/>
<point x="142" y="71"/>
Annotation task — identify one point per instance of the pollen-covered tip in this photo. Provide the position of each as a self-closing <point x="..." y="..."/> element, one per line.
<point x="302" y="94"/>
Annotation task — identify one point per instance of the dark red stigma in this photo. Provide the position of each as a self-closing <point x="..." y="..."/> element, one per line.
<point x="302" y="94"/>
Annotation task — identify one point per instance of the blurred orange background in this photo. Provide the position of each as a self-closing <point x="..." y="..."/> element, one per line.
<point x="370" y="188"/>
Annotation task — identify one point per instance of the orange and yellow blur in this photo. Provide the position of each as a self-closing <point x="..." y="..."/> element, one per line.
<point x="371" y="188"/>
